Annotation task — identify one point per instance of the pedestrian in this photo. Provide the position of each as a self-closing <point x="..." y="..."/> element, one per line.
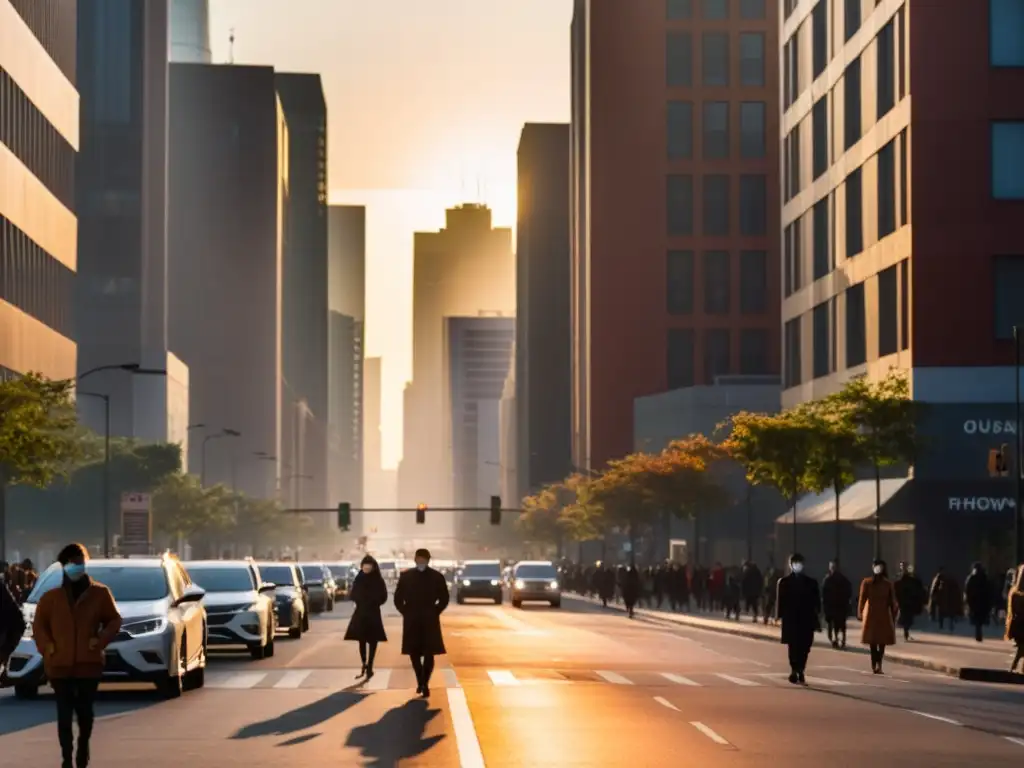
<point x="798" y="603"/>
<point x="12" y="624"/>
<point x="836" y="596"/>
<point x="630" y="585"/>
<point x="910" y="597"/>
<point x="421" y="597"/>
<point x="368" y="594"/>
<point x="1015" y="618"/>
<point x="74" y="623"/>
<point x="752" y="582"/>
<point x="877" y="609"/>
<point x="978" y="596"/>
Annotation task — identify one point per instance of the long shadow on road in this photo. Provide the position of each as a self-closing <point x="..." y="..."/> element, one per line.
<point x="18" y="715"/>
<point x="397" y="736"/>
<point x="303" y="718"/>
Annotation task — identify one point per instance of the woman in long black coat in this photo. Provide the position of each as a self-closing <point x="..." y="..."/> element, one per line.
<point x="369" y="593"/>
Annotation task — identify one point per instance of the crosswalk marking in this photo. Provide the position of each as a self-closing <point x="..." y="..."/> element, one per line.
<point x="379" y="681"/>
<point x="293" y="679"/>
<point x="450" y="680"/>
<point x="679" y="679"/>
<point x="824" y="681"/>
<point x="737" y="680"/>
<point x="613" y="677"/>
<point x="239" y="680"/>
<point x="502" y="677"/>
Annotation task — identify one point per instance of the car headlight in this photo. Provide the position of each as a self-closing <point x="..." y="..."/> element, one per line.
<point x="145" y="627"/>
<point x="494" y="582"/>
<point x="465" y="582"/>
<point x="520" y="584"/>
<point x="553" y="585"/>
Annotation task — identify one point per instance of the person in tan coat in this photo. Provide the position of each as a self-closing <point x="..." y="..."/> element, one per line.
<point x="877" y="609"/>
<point x="1015" y="617"/>
<point x="73" y="625"/>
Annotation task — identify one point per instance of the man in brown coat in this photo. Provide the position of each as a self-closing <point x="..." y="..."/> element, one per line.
<point x="73" y="625"/>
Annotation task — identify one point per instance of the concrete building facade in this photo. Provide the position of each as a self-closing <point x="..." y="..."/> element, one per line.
<point x="228" y="206"/>
<point x="39" y="140"/>
<point x="674" y="193"/>
<point x="543" y="379"/>
<point x="190" y="31"/>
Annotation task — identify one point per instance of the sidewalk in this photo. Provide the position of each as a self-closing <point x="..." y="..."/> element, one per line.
<point x="948" y="653"/>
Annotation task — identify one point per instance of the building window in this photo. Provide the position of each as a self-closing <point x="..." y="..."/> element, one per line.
<point x="679" y="280"/>
<point x="887" y="189"/>
<point x="679" y="130"/>
<point x="715" y="59"/>
<point x="820" y="238"/>
<point x="902" y="143"/>
<point x="851" y="18"/>
<point x="679" y="60"/>
<point x="886" y="72"/>
<point x="752" y="59"/>
<point x="791" y="257"/>
<point x="1006" y="33"/>
<point x="1008" y="161"/>
<point x="854" y="214"/>
<point x="819" y="137"/>
<point x="678" y="10"/>
<point x="753" y="282"/>
<point x="793" y="185"/>
<point x="753" y="204"/>
<point x="754" y="352"/>
<point x="851" y="104"/>
<point x="715" y="10"/>
<point x="819" y="37"/>
<point x="821" y="336"/>
<point x="716" y="354"/>
<point x="752" y="136"/>
<point x="752" y="10"/>
<point x="679" y="199"/>
<point x="794" y="369"/>
<point x="716" y="130"/>
<point x="716" y="204"/>
<point x="856" y="336"/>
<point x="680" y="358"/>
<point x="791" y="71"/>
<point x="35" y="282"/>
<point x="717" y="282"/>
<point x="905" y="304"/>
<point x="1007" y="288"/>
<point x="888" y="312"/>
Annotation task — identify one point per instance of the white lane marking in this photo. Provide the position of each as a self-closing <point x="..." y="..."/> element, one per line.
<point x="1014" y="740"/>
<point x="466" y="739"/>
<point x="710" y="734"/>
<point x="719" y="654"/>
<point x="293" y="678"/>
<point x="737" y="680"/>
<point x="613" y="677"/>
<point x="238" y="680"/>
<point x="816" y="680"/>
<point x="379" y="681"/>
<point x="666" y="703"/>
<point x="940" y="718"/>
<point x="502" y="677"/>
<point x="678" y="679"/>
<point x="450" y="680"/>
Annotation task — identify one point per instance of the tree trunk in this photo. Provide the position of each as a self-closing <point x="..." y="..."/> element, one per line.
<point x="794" y="523"/>
<point x="839" y="526"/>
<point x="878" y="513"/>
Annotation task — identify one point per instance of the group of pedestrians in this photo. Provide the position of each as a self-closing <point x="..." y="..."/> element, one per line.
<point x="20" y="578"/>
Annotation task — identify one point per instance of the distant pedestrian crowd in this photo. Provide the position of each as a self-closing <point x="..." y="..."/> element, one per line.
<point x="20" y="578"/>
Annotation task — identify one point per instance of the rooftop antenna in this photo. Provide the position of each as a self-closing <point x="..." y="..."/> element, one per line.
<point x="231" y="46"/>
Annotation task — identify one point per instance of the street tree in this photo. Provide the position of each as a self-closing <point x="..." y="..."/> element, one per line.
<point x="258" y="522"/>
<point x="39" y="437"/>
<point x="183" y="508"/>
<point x="582" y="518"/>
<point x="541" y="520"/>
<point x="885" y="418"/>
<point x="774" y="449"/>
<point x="623" y="497"/>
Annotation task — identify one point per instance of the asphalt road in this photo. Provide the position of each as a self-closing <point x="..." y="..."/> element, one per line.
<point x="538" y="687"/>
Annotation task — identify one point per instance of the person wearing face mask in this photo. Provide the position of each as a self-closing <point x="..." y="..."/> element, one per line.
<point x="368" y="594"/>
<point x="798" y="604"/>
<point x="877" y="609"/>
<point x="421" y="597"/>
<point x="73" y="625"/>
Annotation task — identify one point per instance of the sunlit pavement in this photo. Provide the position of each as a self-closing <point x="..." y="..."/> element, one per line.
<point x="539" y="687"/>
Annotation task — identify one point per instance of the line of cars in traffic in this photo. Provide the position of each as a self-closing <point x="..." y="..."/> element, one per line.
<point x="173" y="613"/>
<point x="524" y="581"/>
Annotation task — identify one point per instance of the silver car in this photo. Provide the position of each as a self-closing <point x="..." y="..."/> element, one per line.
<point x="239" y="605"/>
<point x="163" y="631"/>
<point x="536" y="581"/>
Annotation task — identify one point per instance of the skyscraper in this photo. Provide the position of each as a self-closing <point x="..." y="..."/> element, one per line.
<point x="38" y="231"/>
<point x="190" y="31"/>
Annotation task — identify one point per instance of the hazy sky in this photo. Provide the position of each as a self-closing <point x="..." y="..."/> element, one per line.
<point x="425" y="100"/>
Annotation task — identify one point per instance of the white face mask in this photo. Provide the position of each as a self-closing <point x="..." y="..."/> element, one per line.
<point x="877" y="569"/>
<point x="797" y="567"/>
<point x="367" y="568"/>
<point x="421" y="566"/>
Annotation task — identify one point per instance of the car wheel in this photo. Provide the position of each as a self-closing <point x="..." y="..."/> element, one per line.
<point x="295" y="632"/>
<point x="196" y="679"/>
<point x="556" y="603"/>
<point x="26" y="691"/>
<point x="270" y="646"/>
<point x="498" y="600"/>
<point x="305" y="623"/>
<point x="460" y="600"/>
<point x="517" y="603"/>
<point x="258" y="650"/>
<point x="172" y="686"/>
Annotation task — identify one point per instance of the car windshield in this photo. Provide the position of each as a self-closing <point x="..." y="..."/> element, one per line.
<point x="223" y="579"/>
<point x="313" y="572"/>
<point x="536" y="572"/>
<point x="341" y="570"/>
<point x="482" y="571"/>
<point x="280" y="575"/>
<point x="127" y="583"/>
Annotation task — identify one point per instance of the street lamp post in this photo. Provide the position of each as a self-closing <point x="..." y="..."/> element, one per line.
<point x="1018" y="480"/>
<point x="105" y="492"/>
<point x="202" y="460"/>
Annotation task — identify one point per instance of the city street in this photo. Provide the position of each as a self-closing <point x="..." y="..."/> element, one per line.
<point x="579" y="686"/>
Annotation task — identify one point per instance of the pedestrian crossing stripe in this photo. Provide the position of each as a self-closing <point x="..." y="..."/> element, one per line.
<point x="399" y="679"/>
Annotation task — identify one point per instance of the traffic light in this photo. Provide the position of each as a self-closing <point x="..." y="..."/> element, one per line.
<point x="998" y="461"/>
<point x="421" y="514"/>
<point x="495" y="510"/>
<point x="344" y="515"/>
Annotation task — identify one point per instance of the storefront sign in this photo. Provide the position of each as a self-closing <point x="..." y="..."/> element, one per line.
<point x="957" y="439"/>
<point x="989" y="427"/>
<point x="981" y="503"/>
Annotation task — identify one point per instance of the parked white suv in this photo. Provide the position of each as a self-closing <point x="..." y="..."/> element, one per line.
<point x="239" y="605"/>
<point x="163" y="631"/>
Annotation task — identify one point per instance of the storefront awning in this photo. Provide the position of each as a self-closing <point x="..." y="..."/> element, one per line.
<point x="858" y="502"/>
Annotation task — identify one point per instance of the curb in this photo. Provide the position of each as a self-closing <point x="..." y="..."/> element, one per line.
<point x="1002" y="676"/>
<point x="741" y="631"/>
